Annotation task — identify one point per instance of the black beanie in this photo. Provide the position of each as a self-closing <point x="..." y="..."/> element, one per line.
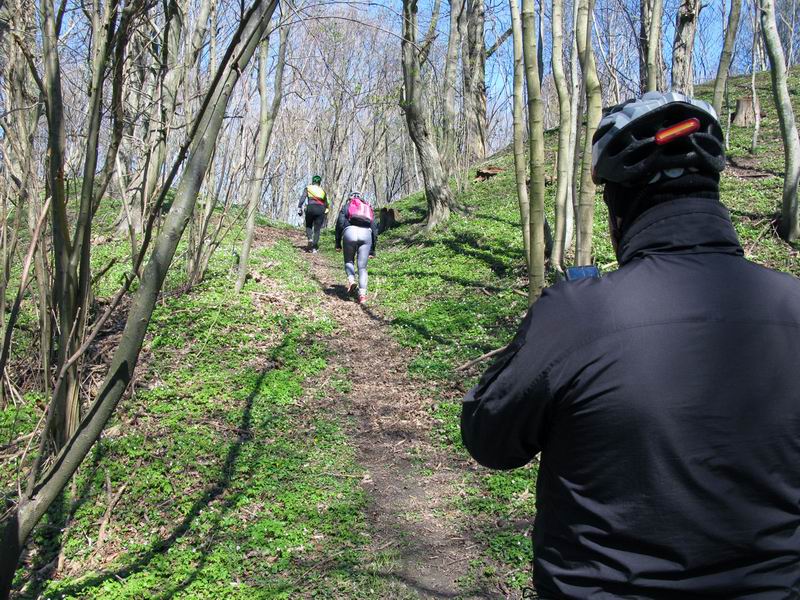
<point x="629" y="203"/>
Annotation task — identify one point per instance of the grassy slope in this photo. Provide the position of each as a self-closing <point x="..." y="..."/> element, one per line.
<point x="452" y="297"/>
<point x="233" y="488"/>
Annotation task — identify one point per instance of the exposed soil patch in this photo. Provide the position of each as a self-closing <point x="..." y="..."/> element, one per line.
<point x="745" y="167"/>
<point x="411" y="483"/>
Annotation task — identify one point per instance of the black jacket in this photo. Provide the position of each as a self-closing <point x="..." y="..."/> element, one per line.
<point x="342" y="223"/>
<point x="665" y="401"/>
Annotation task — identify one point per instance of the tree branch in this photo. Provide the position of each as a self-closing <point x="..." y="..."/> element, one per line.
<point x="498" y="42"/>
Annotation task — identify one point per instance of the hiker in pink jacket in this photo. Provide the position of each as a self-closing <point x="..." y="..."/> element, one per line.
<point x="356" y="227"/>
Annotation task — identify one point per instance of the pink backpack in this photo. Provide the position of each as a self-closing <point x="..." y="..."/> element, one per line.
<point x="360" y="213"/>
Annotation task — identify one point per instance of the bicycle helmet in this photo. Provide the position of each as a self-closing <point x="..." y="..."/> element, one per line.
<point x="316" y="180"/>
<point x="359" y="195"/>
<point x="638" y="141"/>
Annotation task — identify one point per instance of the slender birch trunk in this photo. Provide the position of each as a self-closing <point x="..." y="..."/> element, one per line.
<point x="269" y="113"/>
<point x="575" y="113"/>
<point x="520" y="167"/>
<point x="653" y="44"/>
<point x="727" y="53"/>
<point x="594" y="112"/>
<point x="790" y="214"/>
<point x="564" y="132"/>
<point x="754" y="60"/>
<point x="535" y="151"/>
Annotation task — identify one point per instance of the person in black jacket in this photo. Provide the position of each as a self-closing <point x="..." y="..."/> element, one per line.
<point x="664" y="397"/>
<point x="357" y="229"/>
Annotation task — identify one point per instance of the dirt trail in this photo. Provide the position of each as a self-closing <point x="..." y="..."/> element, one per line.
<point x="410" y="482"/>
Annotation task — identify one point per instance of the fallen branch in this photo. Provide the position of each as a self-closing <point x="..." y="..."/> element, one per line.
<point x="19" y="440"/>
<point x="480" y="359"/>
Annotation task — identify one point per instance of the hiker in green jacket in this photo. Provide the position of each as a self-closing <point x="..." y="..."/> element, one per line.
<point x="316" y="210"/>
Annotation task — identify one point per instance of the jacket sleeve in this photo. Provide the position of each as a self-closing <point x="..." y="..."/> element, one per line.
<point x="341" y="223"/>
<point x="303" y="198"/>
<point x="502" y="417"/>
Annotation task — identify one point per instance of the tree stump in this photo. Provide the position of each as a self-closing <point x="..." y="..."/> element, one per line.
<point x="390" y="218"/>
<point x="745" y="113"/>
<point x="485" y="173"/>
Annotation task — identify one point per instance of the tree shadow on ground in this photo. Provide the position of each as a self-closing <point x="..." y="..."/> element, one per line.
<point x="355" y="571"/>
<point x="755" y="216"/>
<point x="461" y="281"/>
<point x="211" y="493"/>
<point x="59" y="517"/>
<point x="468" y="244"/>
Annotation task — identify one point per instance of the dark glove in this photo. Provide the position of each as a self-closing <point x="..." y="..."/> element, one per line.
<point x="299" y="212"/>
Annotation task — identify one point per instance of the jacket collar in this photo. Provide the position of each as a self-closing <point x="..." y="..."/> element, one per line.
<point x="685" y="226"/>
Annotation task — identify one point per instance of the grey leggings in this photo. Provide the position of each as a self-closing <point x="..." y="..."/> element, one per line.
<point x="357" y="241"/>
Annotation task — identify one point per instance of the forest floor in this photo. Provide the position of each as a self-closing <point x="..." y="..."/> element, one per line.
<point x="280" y="445"/>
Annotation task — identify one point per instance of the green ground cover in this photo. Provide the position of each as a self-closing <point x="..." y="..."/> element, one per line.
<point x="234" y="489"/>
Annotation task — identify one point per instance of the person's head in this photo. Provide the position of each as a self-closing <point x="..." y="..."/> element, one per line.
<point x="357" y="194"/>
<point x="658" y="148"/>
<point x="316" y="180"/>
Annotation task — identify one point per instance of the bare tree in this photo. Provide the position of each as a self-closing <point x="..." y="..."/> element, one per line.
<point x="594" y="111"/>
<point x="755" y="59"/>
<point x="474" y="73"/>
<point x="520" y="167"/>
<point x="727" y="53"/>
<point x="449" y="107"/>
<point x="651" y="34"/>
<point x="683" y="46"/>
<point x="415" y="105"/>
<point x="535" y="151"/>
<point x="564" y="131"/>
<point x="790" y="214"/>
<point x="269" y="113"/>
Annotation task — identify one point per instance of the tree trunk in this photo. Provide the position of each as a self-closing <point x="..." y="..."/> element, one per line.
<point x="267" y="121"/>
<point x="654" y="45"/>
<point x="790" y="214"/>
<point x="418" y="119"/>
<point x="474" y="73"/>
<point x="520" y="167"/>
<point x="651" y="32"/>
<point x="449" y="114"/>
<point x="535" y="151"/>
<point x="564" y="132"/>
<point x="755" y="55"/>
<point x="683" y="47"/>
<point x="727" y="53"/>
<point x="593" y="114"/>
<point x="19" y="522"/>
<point x="575" y="116"/>
<point x="173" y="79"/>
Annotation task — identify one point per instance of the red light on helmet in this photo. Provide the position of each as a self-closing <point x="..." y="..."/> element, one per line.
<point x="665" y="136"/>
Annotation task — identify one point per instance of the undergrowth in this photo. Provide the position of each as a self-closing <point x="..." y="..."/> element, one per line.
<point x="229" y="486"/>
